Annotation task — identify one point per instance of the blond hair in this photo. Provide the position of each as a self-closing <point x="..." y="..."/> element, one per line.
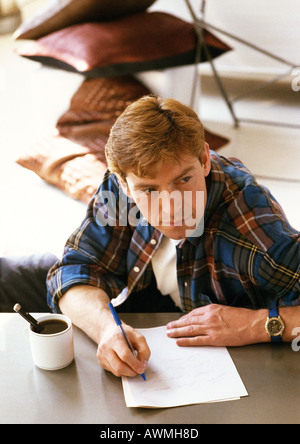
<point x="150" y="131"/>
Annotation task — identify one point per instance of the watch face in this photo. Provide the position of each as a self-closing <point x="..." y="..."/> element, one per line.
<point x="274" y="327"/>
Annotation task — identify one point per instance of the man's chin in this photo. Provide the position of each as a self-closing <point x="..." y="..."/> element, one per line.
<point x="176" y="233"/>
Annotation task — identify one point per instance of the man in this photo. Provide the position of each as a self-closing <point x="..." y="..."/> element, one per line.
<point x="174" y="226"/>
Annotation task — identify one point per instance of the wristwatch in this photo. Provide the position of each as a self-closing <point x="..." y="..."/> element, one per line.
<point x="274" y="325"/>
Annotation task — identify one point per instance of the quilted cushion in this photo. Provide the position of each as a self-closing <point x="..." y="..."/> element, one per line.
<point x="73" y="159"/>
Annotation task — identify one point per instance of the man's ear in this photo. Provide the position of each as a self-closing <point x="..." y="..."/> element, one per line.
<point x="206" y="160"/>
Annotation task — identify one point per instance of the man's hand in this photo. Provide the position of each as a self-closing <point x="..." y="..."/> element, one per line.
<point x="87" y="306"/>
<point x="219" y="325"/>
<point x="114" y="355"/>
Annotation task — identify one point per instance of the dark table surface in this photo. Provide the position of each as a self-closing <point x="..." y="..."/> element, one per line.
<point x="84" y="393"/>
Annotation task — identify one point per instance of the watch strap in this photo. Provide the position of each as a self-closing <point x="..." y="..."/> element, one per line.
<point x="277" y="339"/>
<point x="273" y="312"/>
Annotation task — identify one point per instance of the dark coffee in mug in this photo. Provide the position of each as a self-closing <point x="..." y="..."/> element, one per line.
<point x="52" y="326"/>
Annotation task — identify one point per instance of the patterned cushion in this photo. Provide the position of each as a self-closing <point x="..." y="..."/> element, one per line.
<point x="74" y="159"/>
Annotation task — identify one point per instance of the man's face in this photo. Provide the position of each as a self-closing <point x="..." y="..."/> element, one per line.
<point x="174" y="198"/>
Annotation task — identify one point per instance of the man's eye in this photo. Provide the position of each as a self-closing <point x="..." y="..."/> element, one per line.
<point x="150" y="190"/>
<point x="185" y="179"/>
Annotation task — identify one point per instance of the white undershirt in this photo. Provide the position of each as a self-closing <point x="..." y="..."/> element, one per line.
<point x="164" y="268"/>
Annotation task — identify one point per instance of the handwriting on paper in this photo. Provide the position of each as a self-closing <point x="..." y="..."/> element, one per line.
<point x="184" y="375"/>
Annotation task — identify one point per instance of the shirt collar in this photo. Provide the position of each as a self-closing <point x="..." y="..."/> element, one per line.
<point x="215" y="183"/>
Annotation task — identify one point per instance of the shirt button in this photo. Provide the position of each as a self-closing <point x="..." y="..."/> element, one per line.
<point x="153" y="242"/>
<point x="185" y="284"/>
<point x="136" y="269"/>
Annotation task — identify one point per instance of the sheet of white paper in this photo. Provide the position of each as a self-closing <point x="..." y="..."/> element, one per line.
<point x="182" y="375"/>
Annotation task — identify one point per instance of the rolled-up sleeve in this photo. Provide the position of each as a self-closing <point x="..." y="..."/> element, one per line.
<point x="279" y="270"/>
<point x="96" y="253"/>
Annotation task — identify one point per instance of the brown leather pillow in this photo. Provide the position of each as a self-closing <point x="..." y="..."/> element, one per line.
<point x="74" y="159"/>
<point x="75" y="169"/>
<point x="58" y="14"/>
<point x="66" y="165"/>
<point x="139" y="42"/>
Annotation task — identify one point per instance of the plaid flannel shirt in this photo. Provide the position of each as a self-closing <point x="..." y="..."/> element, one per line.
<point x="247" y="256"/>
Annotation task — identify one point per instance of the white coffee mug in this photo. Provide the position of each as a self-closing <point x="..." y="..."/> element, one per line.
<point x="52" y="351"/>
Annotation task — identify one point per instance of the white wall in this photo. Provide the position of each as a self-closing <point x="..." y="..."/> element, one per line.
<point x="271" y="24"/>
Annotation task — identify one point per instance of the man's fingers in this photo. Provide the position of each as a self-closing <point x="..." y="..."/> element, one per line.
<point x="129" y="358"/>
<point x="115" y="355"/>
<point x="187" y="331"/>
<point x="193" y="342"/>
<point x="115" y="365"/>
<point x="184" y="326"/>
<point x="120" y="361"/>
<point x="139" y="344"/>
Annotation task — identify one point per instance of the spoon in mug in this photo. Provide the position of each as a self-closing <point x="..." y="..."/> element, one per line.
<point x="35" y="324"/>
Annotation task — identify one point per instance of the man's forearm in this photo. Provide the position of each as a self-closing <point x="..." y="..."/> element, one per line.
<point x="87" y="306"/>
<point x="220" y="325"/>
<point x="291" y="319"/>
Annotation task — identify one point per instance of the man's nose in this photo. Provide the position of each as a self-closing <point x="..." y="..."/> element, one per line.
<point x="171" y="203"/>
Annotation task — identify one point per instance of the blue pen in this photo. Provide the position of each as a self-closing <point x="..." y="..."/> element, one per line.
<point x="119" y="324"/>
